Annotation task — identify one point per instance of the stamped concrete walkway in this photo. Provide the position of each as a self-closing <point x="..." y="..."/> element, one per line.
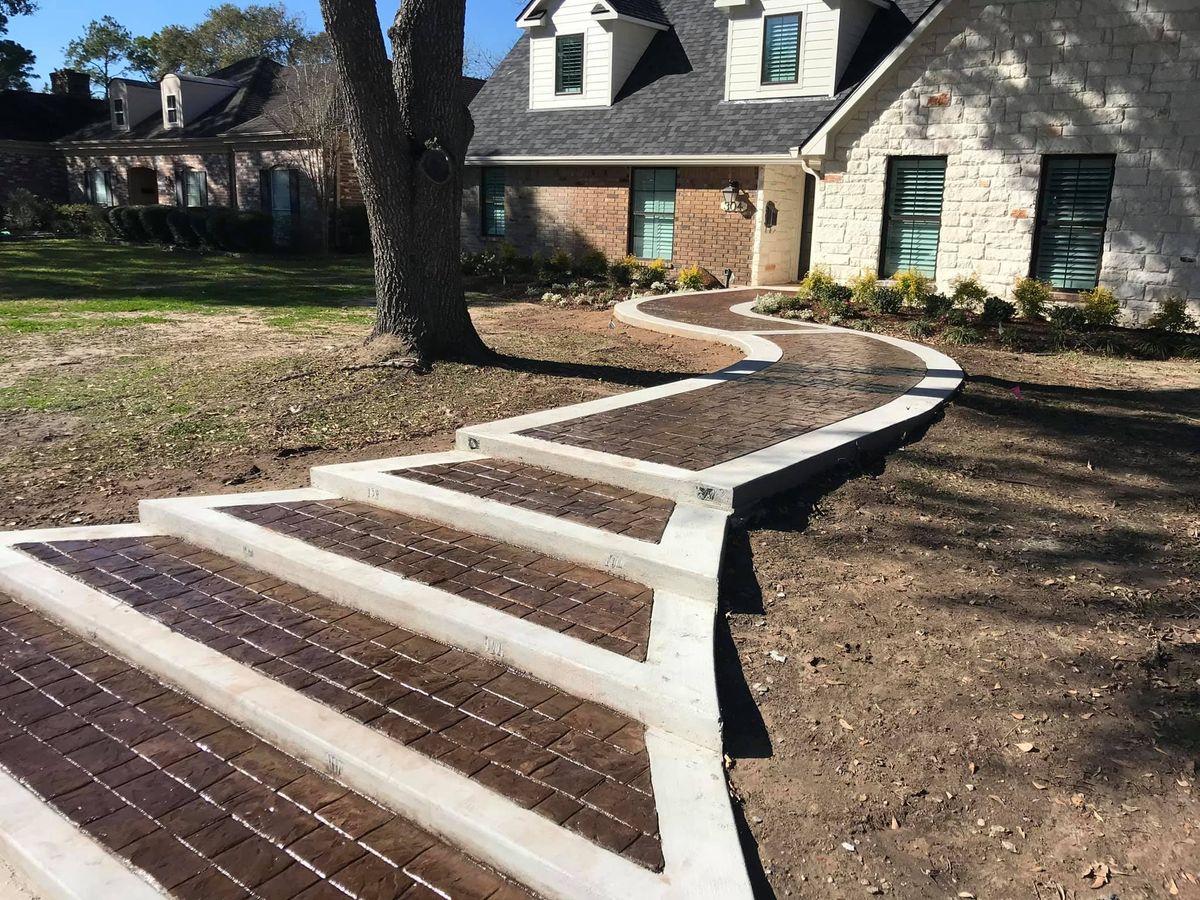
<point x="486" y="673"/>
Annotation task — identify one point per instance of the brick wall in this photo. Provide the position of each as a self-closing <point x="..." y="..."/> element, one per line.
<point x="582" y="208"/>
<point x="41" y="171"/>
<point x="164" y="167"/>
<point x="349" y="188"/>
<point x="249" y="165"/>
<point x="998" y="83"/>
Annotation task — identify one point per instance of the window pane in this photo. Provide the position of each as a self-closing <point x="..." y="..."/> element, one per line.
<point x="1072" y="218"/>
<point x="913" y="222"/>
<point x="281" y="192"/>
<point x="494" y="218"/>
<point x="781" y="49"/>
<point x="195" y="188"/>
<point x="569" y="64"/>
<point x="652" y="226"/>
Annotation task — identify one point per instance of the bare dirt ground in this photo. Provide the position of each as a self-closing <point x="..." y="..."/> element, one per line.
<point x="96" y="420"/>
<point x="992" y="642"/>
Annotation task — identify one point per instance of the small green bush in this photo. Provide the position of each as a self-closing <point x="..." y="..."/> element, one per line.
<point x="969" y="293"/>
<point x="83" y="220"/>
<point x="817" y="284"/>
<point x="961" y="335"/>
<point x="692" y="278"/>
<point x="922" y="328"/>
<point x="131" y="224"/>
<point x="864" y="289"/>
<point x="833" y="302"/>
<point x="774" y="304"/>
<point x="1172" y="316"/>
<point x="653" y="272"/>
<point x="253" y="232"/>
<point x="888" y="301"/>
<point x="937" y="305"/>
<point x="996" y="311"/>
<point x="592" y="264"/>
<point x="558" y="263"/>
<point x="155" y="223"/>
<point x="620" y="271"/>
<point x="25" y="211"/>
<point x="352" y="233"/>
<point x="183" y="233"/>
<point x="1033" y="297"/>
<point x="1101" y="308"/>
<point x="1068" y="318"/>
<point x="115" y="221"/>
<point x="913" y="287"/>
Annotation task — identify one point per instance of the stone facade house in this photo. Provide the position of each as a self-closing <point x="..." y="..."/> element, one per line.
<point x="1004" y="138"/>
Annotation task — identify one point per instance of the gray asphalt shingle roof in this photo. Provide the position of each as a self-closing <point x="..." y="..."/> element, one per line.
<point x="673" y="102"/>
<point x="646" y="10"/>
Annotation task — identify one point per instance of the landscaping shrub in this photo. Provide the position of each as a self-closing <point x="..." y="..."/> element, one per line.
<point x="593" y="263"/>
<point x="961" y="335"/>
<point x="776" y="304"/>
<point x="253" y="232"/>
<point x="25" y="211"/>
<point x="913" y="287"/>
<point x="83" y="220"/>
<point x="692" y="278"/>
<point x="620" y="271"/>
<point x="1068" y="318"/>
<point x="817" y="284"/>
<point x="864" y="289"/>
<point x="1032" y="298"/>
<point x="937" y="305"/>
<point x="922" y="328"/>
<point x="154" y="222"/>
<point x="1101" y="308"/>
<point x="888" y="301"/>
<point x="833" y="302"/>
<point x="968" y="292"/>
<point x="652" y="273"/>
<point x="116" y="223"/>
<point x="183" y="232"/>
<point x="1172" y="316"/>
<point x="997" y="311"/>
<point x="557" y="264"/>
<point x="131" y="224"/>
<point x="352" y="233"/>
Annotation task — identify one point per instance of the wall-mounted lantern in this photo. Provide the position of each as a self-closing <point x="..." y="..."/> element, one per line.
<point x="732" y="199"/>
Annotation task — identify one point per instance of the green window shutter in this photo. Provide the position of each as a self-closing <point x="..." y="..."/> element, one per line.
<point x="781" y="49"/>
<point x="568" y="67"/>
<point x="652" y="225"/>
<point x="1072" y="218"/>
<point x="493" y="213"/>
<point x="913" y="218"/>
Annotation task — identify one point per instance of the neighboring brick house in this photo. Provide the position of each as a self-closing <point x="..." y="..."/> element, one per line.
<point x="30" y="122"/>
<point x="220" y="140"/>
<point x="999" y="137"/>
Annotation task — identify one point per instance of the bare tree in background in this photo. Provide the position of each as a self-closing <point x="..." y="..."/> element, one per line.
<point x="314" y="111"/>
<point x="480" y="61"/>
<point x="409" y="130"/>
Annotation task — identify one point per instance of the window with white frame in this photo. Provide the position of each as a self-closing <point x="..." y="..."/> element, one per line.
<point x="172" y="109"/>
<point x="119" y="117"/>
<point x="97" y="186"/>
<point x="781" y="49"/>
<point x="191" y="187"/>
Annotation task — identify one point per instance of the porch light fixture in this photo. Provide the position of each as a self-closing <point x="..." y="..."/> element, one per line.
<point x="732" y="201"/>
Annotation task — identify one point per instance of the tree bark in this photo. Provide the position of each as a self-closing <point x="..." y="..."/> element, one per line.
<point x="391" y="114"/>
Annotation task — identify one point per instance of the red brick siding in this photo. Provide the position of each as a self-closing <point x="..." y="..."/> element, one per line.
<point x="42" y="172"/>
<point x="215" y="164"/>
<point x="349" y="188"/>
<point x="580" y="208"/>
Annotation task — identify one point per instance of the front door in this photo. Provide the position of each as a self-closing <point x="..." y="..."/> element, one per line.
<point x="806" y="224"/>
<point x="143" y="187"/>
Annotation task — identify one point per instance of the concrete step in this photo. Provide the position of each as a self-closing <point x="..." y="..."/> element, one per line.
<point x="672" y="688"/>
<point x="114" y="785"/>
<point x="631" y="534"/>
<point x="527" y="845"/>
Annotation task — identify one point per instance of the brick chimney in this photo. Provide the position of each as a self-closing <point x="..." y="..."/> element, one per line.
<point x="69" y="83"/>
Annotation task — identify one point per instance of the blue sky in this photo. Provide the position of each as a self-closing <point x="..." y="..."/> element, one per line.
<point x="46" y="32"/>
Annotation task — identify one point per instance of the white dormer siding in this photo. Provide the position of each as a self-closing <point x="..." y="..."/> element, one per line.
<point x="612" y="46"/>
<point x="131" y="102"/>
<point x="185" y="98"/>
<point x="830" y="33"/>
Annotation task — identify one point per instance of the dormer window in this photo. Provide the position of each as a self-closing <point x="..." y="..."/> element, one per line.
<point x="781" y="49"/>
<point x="172" y="109"/>
<point x="568" y="65"/>
<point x="119" y="117"/>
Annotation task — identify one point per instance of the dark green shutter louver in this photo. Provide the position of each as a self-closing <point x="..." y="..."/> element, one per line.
<point x="1072" y="217"/>
<point x="493" y="213"/>
<point x="781" y="49"/>
<point x="568" y="67"/>
<point x="652" y="226"/>
<point x="913" y="223"/>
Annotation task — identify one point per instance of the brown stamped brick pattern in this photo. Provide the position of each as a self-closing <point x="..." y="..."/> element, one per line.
<point x="583" y="603"/>
<point x="582" y="500"/>
<point x="577" y="763"/>
<point x="712" y="311"/>
<point x="822" y="379"/>
<point x="205" y="809"/>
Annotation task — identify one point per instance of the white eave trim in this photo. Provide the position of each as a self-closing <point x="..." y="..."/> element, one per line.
<point x="747" y="159"/>
<point x="818" y="143"/>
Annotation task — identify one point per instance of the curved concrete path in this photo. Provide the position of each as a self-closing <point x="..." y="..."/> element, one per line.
<point x="503" y="653"/>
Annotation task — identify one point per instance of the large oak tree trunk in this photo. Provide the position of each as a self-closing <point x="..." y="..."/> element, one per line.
<point x="394" y="111"/>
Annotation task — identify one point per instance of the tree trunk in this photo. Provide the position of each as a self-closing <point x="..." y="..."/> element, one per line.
<point x="391" y="115"/>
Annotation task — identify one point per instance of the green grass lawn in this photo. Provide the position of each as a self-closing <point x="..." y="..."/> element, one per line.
<point x="56" y="285"/>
